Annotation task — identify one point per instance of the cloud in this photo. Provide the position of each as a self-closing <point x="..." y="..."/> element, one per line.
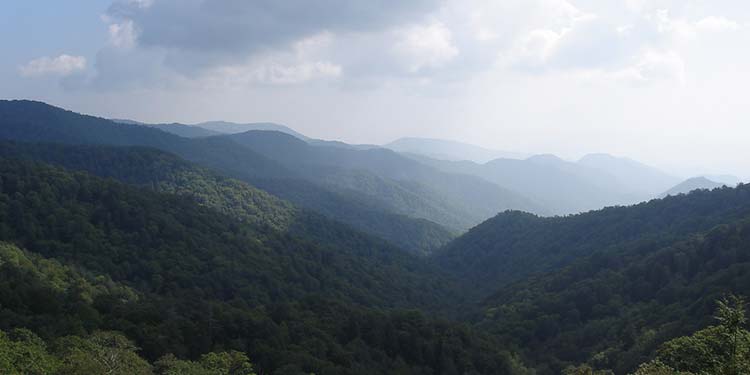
<point x="717" y="24"/>
<point x="61" y="66"/>
<point x="358" y="43"/>
<point x="425" y="46"/>
<point x="239" y="27"/>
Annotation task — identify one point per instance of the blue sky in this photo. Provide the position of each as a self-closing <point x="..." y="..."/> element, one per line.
<point x="662" y="81"/>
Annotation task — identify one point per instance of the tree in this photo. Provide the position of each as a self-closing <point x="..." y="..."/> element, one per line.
<point x="108" y="353"/>
<point x="723" y="349"/>
<point x="24" y="353"/>
<point x="225" y="363"/>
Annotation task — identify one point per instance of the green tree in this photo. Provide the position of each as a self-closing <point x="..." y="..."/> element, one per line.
<point x="723" y="349"/>
<point x="24" y="353"/>
<point x="108" y="353"/>
<point x="225" y="363"/>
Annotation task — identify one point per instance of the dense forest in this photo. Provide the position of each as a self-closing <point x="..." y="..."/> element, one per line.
<point x="127" y="250"/>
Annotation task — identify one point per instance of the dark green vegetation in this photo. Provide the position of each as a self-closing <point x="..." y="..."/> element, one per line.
<point x="720" y="349"/>
<point x="179" y="256"/>
<point x="515" y="245"/>
<point x="621" y="296"/>
<point x="192" y="280"/>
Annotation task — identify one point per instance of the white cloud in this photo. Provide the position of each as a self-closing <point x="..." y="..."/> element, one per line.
<point x="654" y="66"/>
<point x="122" y="34"/>
<point x="425" y="46"/>
<point x="717" y="24"/>
<point x="62" y="65"/>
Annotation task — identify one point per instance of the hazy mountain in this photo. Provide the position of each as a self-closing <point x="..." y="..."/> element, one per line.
<point x="449" y="150"/>
<point x="633" y="175"/>
<point x="561" y="187"/>
<point x="727" y="179"/>
<point x="691" y="184"/>
<point x="234" y="128"/>
<point x="187" y="131"/>
<point x="405" y="185"/>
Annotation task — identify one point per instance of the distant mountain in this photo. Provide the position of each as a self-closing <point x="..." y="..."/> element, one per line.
<point x="695" y="183"/>
<point x="404" y="185"/>
<point x="449" y="150"/>
<point x="234" y="128"/>
<point x="561" y="187"/>
<point x="187" y="131"/>
<point x="727" y="179"/>
<point x="634" y="175"/>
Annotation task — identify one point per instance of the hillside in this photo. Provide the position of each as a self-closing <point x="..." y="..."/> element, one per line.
<point x="176" y="256"/>
<point x="37" y="122"/>
<point x="515" y="245"/>
<point x="695" y="183"/>
<point x="613" y="308"/>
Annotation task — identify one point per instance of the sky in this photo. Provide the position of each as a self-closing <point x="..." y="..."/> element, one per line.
<point x="660" y="81"/>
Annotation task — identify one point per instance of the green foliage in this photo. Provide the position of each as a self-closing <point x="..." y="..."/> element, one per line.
<point x="585" y="370"/>
<point x="24" y="353"/>
<point x="614" y="307"/>
<point x="723" y="349"/>
<point x="207" y="282"/>
<point x="515" y="245"/>
<point x="100" y="353"/>
<point x="231" y="363"/>
<point x="656" y="367"/>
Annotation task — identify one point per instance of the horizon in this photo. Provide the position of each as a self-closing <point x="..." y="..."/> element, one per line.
<point x="655" y="81"/>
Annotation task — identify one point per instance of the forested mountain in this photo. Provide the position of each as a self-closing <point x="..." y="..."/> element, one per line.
<point x="691" y="184"/>
<point x="613" y="308"/>
<point x="449" y="150"/>
<point x="516" y="245"/>
<point x="37" y="122"/>
<point x="165" y="172"/>
<point x="195" y="280"/>
<point x="405" y="186"/>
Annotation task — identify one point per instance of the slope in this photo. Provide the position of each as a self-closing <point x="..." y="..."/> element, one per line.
<point x="613" y="308"/>
<point x="516" y="245"/>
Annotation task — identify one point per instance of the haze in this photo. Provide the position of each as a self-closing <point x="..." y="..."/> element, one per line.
<point x="658" y="81"/>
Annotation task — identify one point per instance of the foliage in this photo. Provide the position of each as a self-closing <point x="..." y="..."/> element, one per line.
<point x="206" y="282"/>
<point x="614" y="307"/>
<point x="723" y="349"/>
<point x="24" y="353"/>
